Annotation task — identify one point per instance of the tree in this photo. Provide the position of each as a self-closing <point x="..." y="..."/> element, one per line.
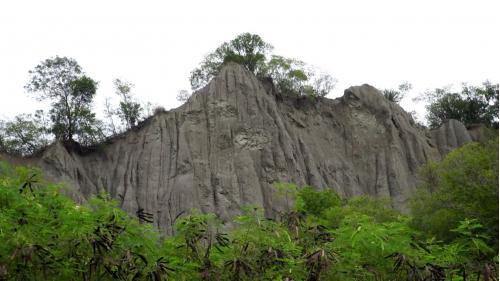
<point x="183" y="95"/>
<point x="61" y="81"/>
<point x="294" y="77"/>
<point x="249" y="50"/>
<point x="25" y="134"/>
<point x="291" y="76"/>
<point x="462" y="186"/>
<point x="109" y="112"/>
<point x="246" y="49"/>
<point x="472" y="105"/>
<point x="129" y="110"/>
<point x="323" y="84"/>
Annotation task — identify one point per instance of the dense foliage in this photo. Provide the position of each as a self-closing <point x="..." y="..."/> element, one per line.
<point x="462" y="186"/>
<point x="452" y="235"/>
<point x="25" y="134"/>
<point x="247" y="49"/>
<point x="61" y="81"/>
<point x="472" y="105"/>
<point x="290" y="76"/>
<point x="46" y="236"/>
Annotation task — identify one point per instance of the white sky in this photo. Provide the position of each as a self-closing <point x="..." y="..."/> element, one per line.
<point x="155" y="44"/>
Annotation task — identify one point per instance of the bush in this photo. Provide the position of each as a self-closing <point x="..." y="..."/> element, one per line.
<point x="472" y="105"/>
<point x="47" y="236"/>
<point x="316" y="202"/>
<point x="462" y="186"/>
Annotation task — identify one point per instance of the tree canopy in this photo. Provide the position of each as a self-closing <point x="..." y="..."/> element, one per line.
<point x="462" y="186"/>
<point x="25" y="134"/>
<point x="291" y="76"/>
<point x="246" y="49"/>
<point x="472" y="105"/>
<point x="129" y="110"/>
<point x="62" y="81"/>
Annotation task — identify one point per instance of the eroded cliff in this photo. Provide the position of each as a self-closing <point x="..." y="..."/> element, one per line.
<point x="227" y="145"/>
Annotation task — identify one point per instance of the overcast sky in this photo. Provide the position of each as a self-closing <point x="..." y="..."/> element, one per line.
<point x="155" y="44"/>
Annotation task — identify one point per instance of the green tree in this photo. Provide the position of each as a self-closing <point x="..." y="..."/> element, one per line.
<point x="294" y="77"/>
<point x="129" y="110"/>
<point x="61" y="81"/>
<point x="25" y="134"/>
<point x="472" y="105"/>
<point x="291" y="76"/>
<point x="246" y="49"/>
<point x="462" y="186"/>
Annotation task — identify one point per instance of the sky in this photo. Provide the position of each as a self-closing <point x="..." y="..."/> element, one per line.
<point x="155" y="44"/>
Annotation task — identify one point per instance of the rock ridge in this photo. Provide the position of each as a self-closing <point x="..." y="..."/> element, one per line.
<point x="226" y="146"/>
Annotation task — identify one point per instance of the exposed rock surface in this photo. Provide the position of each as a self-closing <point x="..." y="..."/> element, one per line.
<point x="450" y="135"/>
<point x="227" y="145"/>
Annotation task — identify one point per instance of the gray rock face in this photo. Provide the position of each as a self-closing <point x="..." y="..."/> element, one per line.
<point x="450" y="135"/>
<point x="227" y="145"/>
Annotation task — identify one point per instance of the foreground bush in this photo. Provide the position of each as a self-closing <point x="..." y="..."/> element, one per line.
<point x="46" y="236"/>
<point x="462" y="186"/>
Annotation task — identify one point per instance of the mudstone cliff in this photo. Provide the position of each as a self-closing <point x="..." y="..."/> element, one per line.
<point x="232" y="140"/>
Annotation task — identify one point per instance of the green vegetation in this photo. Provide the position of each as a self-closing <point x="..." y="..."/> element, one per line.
<point x="472" y="105"/>
<point x="61" y="81"/>
<point x="129" y="110"/>
<point x="397" y="95"/>
<point x="290" y="76"/>
<point x="247" y="49"/>
<point x="452" y="233"/>
<point x="462" y="186"/>
<point x="25" y="134"/>
<point x="46" y="236"/>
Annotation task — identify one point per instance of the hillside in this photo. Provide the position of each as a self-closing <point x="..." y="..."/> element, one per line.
<point x="233" y="139"/>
